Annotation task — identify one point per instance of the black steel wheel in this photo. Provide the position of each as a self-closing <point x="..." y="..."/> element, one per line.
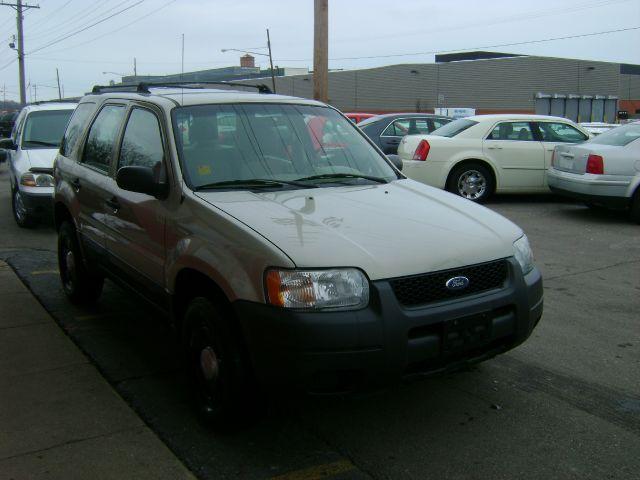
<point x="223" y="394"/>
<point x="80" y="285"/>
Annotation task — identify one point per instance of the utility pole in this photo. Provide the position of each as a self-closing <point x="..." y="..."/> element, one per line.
<point x="59" y="90"/>
<point x="135" y="68"/>
<point x="273" y="78"/>
<point x="321" y="50"/>
<point x="19" y="8"/>
<point x="35" y="92"/>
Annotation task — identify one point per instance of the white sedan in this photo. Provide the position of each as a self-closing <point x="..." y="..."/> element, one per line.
<point x="603" y="171"/>
<point x="477" y="156"/>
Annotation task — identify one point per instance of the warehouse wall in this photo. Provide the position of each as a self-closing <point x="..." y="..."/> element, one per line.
<point x="487" y="85"/>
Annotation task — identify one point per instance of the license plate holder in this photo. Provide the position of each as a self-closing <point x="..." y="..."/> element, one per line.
<point x="466" y="333"/>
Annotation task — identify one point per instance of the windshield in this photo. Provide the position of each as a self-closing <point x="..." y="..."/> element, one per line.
<point x="454" y="128"/>
<point x="619" y="136"/>
<point x="44" y="129"/>
<point x="259" y="145"/>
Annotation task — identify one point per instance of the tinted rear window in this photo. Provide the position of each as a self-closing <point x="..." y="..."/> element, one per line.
<point x="454" y="128"/>
<point x="619" y="136"/>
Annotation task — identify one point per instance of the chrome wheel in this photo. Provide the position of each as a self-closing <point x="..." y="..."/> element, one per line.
<point x="472" y="185"/>
<point x="19" y="210"/>
<point x="67" y="266"/>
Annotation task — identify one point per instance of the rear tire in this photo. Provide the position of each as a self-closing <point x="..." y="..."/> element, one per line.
<point x="223" y="393"/>
<point x="81" y="286"/>
<point x="634" y="211"/>
<point x="20" y="214"/>
<point x="472" y="181"/>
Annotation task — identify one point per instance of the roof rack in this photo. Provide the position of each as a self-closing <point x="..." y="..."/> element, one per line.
<point x="143" y="87"/>
<point x="61" y="100"/>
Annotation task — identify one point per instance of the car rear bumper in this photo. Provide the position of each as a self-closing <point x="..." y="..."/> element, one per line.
<point x="342" y="351"/>
<point x="590" y="188"/>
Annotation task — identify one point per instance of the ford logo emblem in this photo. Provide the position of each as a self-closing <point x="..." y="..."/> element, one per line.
<point x="457" y="283"/>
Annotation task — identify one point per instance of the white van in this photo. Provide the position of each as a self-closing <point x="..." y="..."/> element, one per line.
<point x="32" y="148"/>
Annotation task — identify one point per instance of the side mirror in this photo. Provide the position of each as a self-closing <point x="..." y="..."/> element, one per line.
<point x="141" y="180"/>
<point x="7" y="144"/>
<point x="396" y="160"/>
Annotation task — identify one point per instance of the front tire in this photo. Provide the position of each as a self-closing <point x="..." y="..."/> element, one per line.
<point x="472" y="181"/>
<point x="20" y="213"/>
<point x="81" y="286"/>
<point x="634" y="211"/>
<point x="223" y="393"/>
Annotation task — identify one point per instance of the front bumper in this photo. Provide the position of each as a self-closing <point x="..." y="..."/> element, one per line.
<point x="342" y="351"/>
<point x="38" y="200"/>
<point x="590" y="188"/>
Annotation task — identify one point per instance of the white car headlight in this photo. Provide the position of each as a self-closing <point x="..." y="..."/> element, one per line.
<point x="36" y="180"/>
<point x="523" y="253"/>
<point x="344" y="288"/>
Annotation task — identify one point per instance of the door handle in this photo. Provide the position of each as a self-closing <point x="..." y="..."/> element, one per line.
<point x="76" y="184"/>
<point x="113" y="203"/>
<point x="494" y="148"/>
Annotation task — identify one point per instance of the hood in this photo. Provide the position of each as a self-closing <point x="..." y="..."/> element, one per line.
<point x="401" y="228"/>
<point x="41" y="157"/>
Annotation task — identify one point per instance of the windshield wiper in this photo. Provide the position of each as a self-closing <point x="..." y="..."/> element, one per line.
<point x="342" y="175"/>
<point x="40" y="142"/>
<point x="252" y="183"/>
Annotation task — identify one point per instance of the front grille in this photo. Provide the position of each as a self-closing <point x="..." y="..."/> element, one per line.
<point x="430" y="287"/>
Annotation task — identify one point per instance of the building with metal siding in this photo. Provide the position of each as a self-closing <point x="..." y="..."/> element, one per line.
<point x="472" y="80"/>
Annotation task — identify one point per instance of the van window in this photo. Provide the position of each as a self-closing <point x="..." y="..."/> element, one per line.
<point x="75" y="127"/>
<point x="98" y="150"/>
<point x="45" y="128"/>
<point x="219" y="143"/>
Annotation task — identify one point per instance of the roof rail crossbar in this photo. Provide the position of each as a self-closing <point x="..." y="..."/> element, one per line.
<point x="143" y="87"/>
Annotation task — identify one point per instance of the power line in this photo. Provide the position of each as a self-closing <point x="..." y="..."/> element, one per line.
<point x="139" y="19"/>
<point x="79" y="20"/>
<point x="87" y="27"/>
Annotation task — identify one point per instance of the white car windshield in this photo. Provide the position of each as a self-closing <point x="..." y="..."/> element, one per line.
<point x="273" y="145"/>
<point x="44" y="129"/>
<point x="619" y="136"/>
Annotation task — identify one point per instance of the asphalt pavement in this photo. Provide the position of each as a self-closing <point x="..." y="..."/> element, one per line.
<point x="566" y="404"/>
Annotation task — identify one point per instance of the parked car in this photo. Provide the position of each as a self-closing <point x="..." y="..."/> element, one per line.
<point x="31" y="150"/>
<point x="477" y="156"/>
<point x="387" y="130"/>
<point x="272" y="255"/>
<point x="602" y="171"/>
<point x="358" y="117"/>
<point x="596" y="128"/>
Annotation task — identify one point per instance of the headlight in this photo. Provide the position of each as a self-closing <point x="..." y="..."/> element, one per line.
<point x="316" y="289"/>
<point x="524" y="255"/>
<point x="36" y="180"/>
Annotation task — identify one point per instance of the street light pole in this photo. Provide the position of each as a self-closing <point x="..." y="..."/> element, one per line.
<point x="273" y="78"/>
<point x="59" y="91"/>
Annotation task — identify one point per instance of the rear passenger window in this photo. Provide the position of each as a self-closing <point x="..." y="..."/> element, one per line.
<point x="98" y="150"/>
<point x="512" y="131"/>
<point x="142" y="141"/>
<point x="74" y="129"/>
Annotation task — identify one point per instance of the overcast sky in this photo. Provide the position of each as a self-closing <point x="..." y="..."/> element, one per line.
<point x="383" y="29"/>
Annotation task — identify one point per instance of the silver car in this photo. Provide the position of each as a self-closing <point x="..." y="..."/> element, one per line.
<point x="602" y="171"/>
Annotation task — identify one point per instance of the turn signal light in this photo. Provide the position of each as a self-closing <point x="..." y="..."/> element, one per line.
<point x="422" y="150"/>
<point x="595" y="164"/>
